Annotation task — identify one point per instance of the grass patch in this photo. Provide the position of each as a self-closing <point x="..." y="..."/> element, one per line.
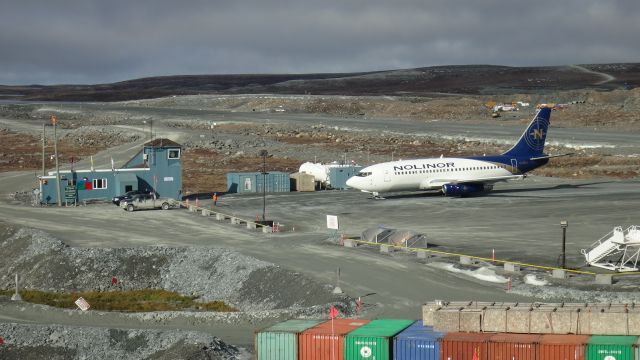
<point x="132" y="300"/>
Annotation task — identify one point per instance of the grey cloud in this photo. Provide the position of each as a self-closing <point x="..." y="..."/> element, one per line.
<point x="94" y="41"/>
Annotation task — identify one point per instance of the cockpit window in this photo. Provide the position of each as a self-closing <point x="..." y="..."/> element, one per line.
<point x="363" y="173"/>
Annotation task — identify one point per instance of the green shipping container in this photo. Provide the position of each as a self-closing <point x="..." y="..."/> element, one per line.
<point x="603" y="347"/>
<point x="280" y="341"/>
<point x="373" y="341"/>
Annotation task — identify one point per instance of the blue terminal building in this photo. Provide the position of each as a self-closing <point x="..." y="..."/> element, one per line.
<point x="157" y="167"/>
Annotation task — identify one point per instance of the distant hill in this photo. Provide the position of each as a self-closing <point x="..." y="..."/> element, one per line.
<point x="428" y="81"/>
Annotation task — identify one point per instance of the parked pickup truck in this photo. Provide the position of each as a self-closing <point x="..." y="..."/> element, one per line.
<point x="147" y="201"/>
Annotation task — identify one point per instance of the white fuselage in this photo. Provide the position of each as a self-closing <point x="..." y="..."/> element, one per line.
<point x="425" y="174"/>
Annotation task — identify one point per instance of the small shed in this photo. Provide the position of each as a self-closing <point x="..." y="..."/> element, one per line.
<point x="302" y="182"/>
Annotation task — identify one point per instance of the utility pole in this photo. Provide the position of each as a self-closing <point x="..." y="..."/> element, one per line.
<point x="43" y="145"/>
<point x="150" y="128"/>
<point x="55" y="151"/>
<point x="564" y="224"/>
<point x="264" y="154"/>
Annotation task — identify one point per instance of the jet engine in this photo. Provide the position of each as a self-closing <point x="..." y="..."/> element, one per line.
<point x="465" y="189"/>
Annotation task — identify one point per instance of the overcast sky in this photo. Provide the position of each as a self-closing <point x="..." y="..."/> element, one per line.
<point x="99" y="41"/>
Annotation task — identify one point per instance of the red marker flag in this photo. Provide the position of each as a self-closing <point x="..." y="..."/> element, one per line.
<point x="53" y="120"/>
<point x="475" y="354"/>
<point x="333" y="313"/>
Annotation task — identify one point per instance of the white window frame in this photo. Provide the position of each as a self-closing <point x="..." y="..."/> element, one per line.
<point x="95" y="184"/>
<point x="169" y="154"/>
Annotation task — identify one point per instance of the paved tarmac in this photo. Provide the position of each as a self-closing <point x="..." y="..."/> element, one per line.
<point x="520" y="220"/>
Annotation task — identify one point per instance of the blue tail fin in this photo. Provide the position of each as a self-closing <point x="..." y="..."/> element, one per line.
<point x="531" y="142"/>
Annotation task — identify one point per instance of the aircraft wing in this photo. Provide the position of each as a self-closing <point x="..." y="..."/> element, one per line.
<point x="436" y="183"/>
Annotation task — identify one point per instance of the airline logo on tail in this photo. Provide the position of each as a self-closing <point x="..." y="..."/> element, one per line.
<point x="536" y="137"/>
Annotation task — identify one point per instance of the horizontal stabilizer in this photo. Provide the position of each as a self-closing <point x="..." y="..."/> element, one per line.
<point x="550" y="156"/>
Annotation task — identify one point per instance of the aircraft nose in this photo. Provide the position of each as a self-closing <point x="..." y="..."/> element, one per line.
<point x="351" y="182"/>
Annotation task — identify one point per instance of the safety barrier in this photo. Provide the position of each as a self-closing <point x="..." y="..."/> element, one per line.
<point x="351" y="242"/>
<point x="233" y="219"/>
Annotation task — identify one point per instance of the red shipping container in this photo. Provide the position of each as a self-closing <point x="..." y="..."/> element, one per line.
<point x="505" y="346"/>
<point x="319" y="342"/>
<point x="563" y="347"/>
<point x="465" y="346"/>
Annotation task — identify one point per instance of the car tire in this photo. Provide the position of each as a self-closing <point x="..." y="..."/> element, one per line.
<point x="130" y="208"/>
<point x="165" y="206"/>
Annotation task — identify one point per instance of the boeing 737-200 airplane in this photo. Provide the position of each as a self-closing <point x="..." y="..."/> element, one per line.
<point x="460" y="176"/>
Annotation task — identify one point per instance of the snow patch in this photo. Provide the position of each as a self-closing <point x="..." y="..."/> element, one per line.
<point x="483" y="273"/>
<point x="531" y="279"/>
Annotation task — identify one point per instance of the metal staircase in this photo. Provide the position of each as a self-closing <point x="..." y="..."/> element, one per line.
<point x="619" y="250"/>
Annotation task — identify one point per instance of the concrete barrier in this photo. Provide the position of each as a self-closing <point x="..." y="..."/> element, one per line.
<point x="633" y="323"/>
<point x="533" y="318"/>
<point x="518" y="321"/>
<point x="446" y="321"/>
<point x="559" y="274"/>
<point x="267" y="229"/>
<point x="206" y="212"/>
<point x="465" y="260"/>
<point x="385" y="249"/>
<point x="470" y="320"/>
<point x="604" y="279"/>
<point x="349" y="243"/>
<point x="251" y="225"/>
<point x="192" y="208"/>
<point x="219" y="217"/>
<point x="511" y="267"/>
<point x="494" y="320"/>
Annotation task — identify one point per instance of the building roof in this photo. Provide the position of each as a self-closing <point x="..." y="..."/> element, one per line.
<point x="162" y="142"/>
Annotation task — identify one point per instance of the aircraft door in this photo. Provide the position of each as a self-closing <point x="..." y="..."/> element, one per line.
<point x="387" y="177"/>
<point x="514" y="165"/>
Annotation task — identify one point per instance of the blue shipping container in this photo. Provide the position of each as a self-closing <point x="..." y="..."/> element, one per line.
<point x="252" y="182"/>
<point x="339" y="175"/>
<point x="417" y="342"/>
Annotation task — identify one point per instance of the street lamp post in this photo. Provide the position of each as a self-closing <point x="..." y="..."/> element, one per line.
<point x="264" y="154"/>
<point x="150" y="128"/>
<point x="54" y="121"/>
<point x="564" y="224"/>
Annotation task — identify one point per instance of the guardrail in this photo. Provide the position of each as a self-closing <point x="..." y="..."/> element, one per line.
<point x="234" y="219"/>
<point x="453" y="254"/>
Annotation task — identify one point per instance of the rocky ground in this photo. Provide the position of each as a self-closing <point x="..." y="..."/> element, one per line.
<point x="261" y="290"/>
<point x="229" y="146"/>
<point x="246" y="283"/>
<point x="53" y="342"/>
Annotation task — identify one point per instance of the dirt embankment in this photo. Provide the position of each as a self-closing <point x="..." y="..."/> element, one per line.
<point x="249" y="284"/>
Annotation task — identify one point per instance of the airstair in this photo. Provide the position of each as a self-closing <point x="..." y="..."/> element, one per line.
<point x="619" y="250"/>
